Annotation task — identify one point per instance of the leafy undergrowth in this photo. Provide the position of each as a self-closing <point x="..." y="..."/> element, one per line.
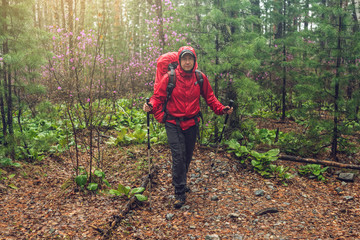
<point x="226" y="205"/>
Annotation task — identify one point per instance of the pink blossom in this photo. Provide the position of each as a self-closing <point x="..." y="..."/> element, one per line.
<point x="88" y="100"/>
<point x="59" y="88"/>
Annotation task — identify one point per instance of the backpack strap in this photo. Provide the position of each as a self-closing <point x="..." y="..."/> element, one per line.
<point x="170" y="87"/>
<point x="200" y="80"/>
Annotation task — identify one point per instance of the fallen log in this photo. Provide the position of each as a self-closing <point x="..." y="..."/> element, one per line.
<point x="317" y="161"/>
<point x="118" y="218"/>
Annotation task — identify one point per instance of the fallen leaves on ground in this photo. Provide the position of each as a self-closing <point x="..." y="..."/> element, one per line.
<point x="225" y="204"/>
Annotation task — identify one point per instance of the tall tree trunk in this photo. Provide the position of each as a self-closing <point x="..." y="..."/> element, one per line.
<point x="307" y="13"/>
<point x="5" y="51"/>
<point x="197" y="17"/>
<point x="71" y="30"/>
<point x="56" y="13"/>
<point x="39" y="13"/>
<point x="255" y="11"/>
<point x="82" y="15"/>
<point x="336" y="94"/>
<point x="159" y="13"/>
<point x="284" y="86"/>
<point x="284" y="67"/>
<point x="8" y="119"/>
<point x="355" y="29"/>
<point x="216" y="87"/>
<point x="63" y="14"/>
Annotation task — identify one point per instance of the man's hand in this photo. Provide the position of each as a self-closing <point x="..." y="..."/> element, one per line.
<point x="228" y="110"/>
<point x="147" y="107"/>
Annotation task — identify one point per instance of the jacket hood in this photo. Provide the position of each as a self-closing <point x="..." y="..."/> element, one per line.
<point x="183" y="50"/>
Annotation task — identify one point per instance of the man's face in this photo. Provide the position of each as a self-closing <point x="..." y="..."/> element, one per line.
<point x="187" y="62"/>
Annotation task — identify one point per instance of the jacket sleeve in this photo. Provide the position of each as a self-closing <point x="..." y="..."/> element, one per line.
<point x="159" y="97"/>
<point x="210" y="98"/>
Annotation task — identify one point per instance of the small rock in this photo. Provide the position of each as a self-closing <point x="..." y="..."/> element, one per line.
<point x="234" y="215"/>
<point x="192" y="227"/>
<point x="338" y="190"/>
<point x="347" y="177"/>
<point x="349" y="198"/>
<point x="268" y="197"/>
<point x="212" y="237"/>
<point x="169" y="216"/>
<point x="238" y="237"/>
<point x="259" y="192"/>
<point x="214" y="198"/>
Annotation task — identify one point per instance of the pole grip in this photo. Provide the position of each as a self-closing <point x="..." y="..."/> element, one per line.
<point x="148" y="124"/>
<point x="227" y="115"/>
<point x="148" y="114"/>
<point x="226" y="119"/>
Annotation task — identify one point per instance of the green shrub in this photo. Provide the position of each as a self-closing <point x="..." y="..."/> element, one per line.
<point x="313" y="170"/>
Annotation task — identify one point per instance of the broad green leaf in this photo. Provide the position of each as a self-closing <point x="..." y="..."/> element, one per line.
<point x="106" y="182"/>
<point x="137" y="190"/>
<point x="141" y="197"/>
<point x="11" y="176"/>
<point x="124" y="190"/>
<point x="13" y="186"/>
<point x="81" y="180"/>
<point x="99" y="173"/>
<point x="115" y="192"/>
<point x="92" y="186"/>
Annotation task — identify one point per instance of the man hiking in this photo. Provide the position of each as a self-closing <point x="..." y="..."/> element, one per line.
<point x="181" y="114"/>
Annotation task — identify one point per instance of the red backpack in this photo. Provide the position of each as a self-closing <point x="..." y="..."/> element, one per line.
<point x="166" y="64"/>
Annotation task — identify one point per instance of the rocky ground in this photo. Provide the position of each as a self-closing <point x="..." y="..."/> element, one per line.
<point x="229" y="201"/>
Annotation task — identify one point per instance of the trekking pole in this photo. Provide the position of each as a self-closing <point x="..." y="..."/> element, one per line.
<point x="217" y="145"/>
<point x="221" y="134"/>
<point x="148" y="147"/>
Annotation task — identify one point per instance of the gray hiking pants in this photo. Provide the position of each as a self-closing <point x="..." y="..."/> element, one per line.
<point x="182" y="144"/>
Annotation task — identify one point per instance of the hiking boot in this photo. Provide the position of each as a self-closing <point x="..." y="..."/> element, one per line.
<point x="187" y="189"/>
<point x="179" y="200"/>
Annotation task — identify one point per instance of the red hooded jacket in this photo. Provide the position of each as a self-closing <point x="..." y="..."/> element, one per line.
<point x="184" y="100"/>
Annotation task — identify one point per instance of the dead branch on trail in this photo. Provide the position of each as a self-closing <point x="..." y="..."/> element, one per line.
<point x="317" y="161"/>
<point x="117" y="218"/>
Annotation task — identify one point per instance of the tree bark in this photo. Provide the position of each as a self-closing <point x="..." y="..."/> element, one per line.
<point x="82" y="15"/>
<point x="159" y="13"/>
<point x="336" y="90"/>
<point x="63" y="14"/>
